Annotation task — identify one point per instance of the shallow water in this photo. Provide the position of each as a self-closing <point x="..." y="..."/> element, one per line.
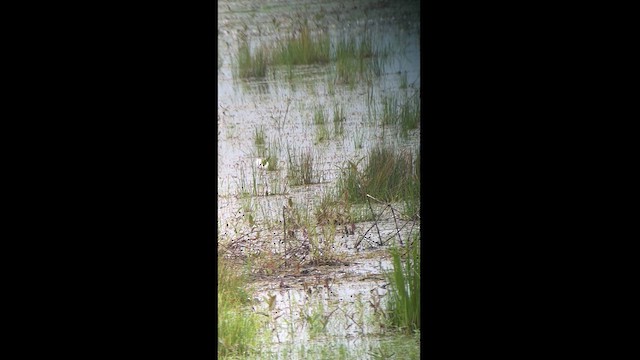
<point x="250" y="199"/>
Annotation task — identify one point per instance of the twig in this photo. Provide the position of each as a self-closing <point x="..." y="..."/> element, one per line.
<point x="363" y="236"/>
<point x="375" y="221"/>
<point x="396" y="222"/>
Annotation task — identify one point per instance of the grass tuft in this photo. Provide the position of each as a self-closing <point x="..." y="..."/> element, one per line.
<point x="338" y="120"/>
<point x="302" y="48"/>
<point x="301" y="167"/>
<point x="388" y="175"/>
<point x="258" y="136"/>
<point x="404" y="301"/>
<point x="238" y="329"/>
<point x="251" y="64"/>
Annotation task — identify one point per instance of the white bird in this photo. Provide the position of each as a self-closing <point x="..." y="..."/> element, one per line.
<point x="262" y="163"/>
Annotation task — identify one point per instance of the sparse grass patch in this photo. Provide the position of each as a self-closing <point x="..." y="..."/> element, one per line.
<point x="276" y="186"/>
<point x="412" y="191"/>
<point x="272" y="159"/>
<point x="389" y="110"/>
<point x="358" y="138"/>
<point x="338" y="120"/>
<point x="357" y="59"/>
<point x="247" y="186"/>
<point x="258" y="136"/>
<point x="301" y="170"/>
<point x="318" y="116"/>
<point x="333" y="209"/>
<point x="409" y="115"/>
<point x="320" y="122"/>
<point x="403" y="80"/>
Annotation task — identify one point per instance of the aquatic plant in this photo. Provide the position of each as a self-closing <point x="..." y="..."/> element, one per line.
<point x="386" y="176"/>
<point x="319" y="120"/>
<point x="358" y="59"/>
<point x="318" y="115"/>
<point x="302" y="48"/>
<point x="251" y="64"/>
<point x="322" y="134"/>
<point x="301" y="167"/>
<point x="258" y="136"/>
<point x="404" y="302"/>
<point x="273" y="152"/>
<point x="238" y="330"/>
<point x="390" y="110"/>
<point x="338" y="120"/>
<point x="403" y="80"/>
<point x="410" y="115"/>
<point x="358" y="138"/>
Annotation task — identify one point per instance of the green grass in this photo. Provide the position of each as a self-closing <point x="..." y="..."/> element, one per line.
<point x="277" y="186"/>
<point x="269" y="153"/>
<point x="302" y="48"/>
<point x="390" y="110"/>
<point x="398" y="347"/>
<point x="319" y="119"/>
<point x="322" y="134"/>
<point x="258" y="136"/>
<point x="358" y="138"/>
<point x="250" y="64"/>
<point x="403" y="80"/>
<point x="403" y="307"/>
<point x="272" y="158"/>
<point x="358" y="59"/>
<point x="338" y="120"/>
<point x="388" y="175"/>
<point x="247" y="186"/>
<point x="318" y="116"/>
<point x="332" y="209"/>
<point x="404" y="115"/>
<point x="409" y="115"/>
<point x="412" y="192"/>
<point x="238" y="327"/>
<point x="301" y="167"/>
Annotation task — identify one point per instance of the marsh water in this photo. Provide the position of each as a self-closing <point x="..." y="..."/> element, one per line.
<point x="334" y="305"/>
